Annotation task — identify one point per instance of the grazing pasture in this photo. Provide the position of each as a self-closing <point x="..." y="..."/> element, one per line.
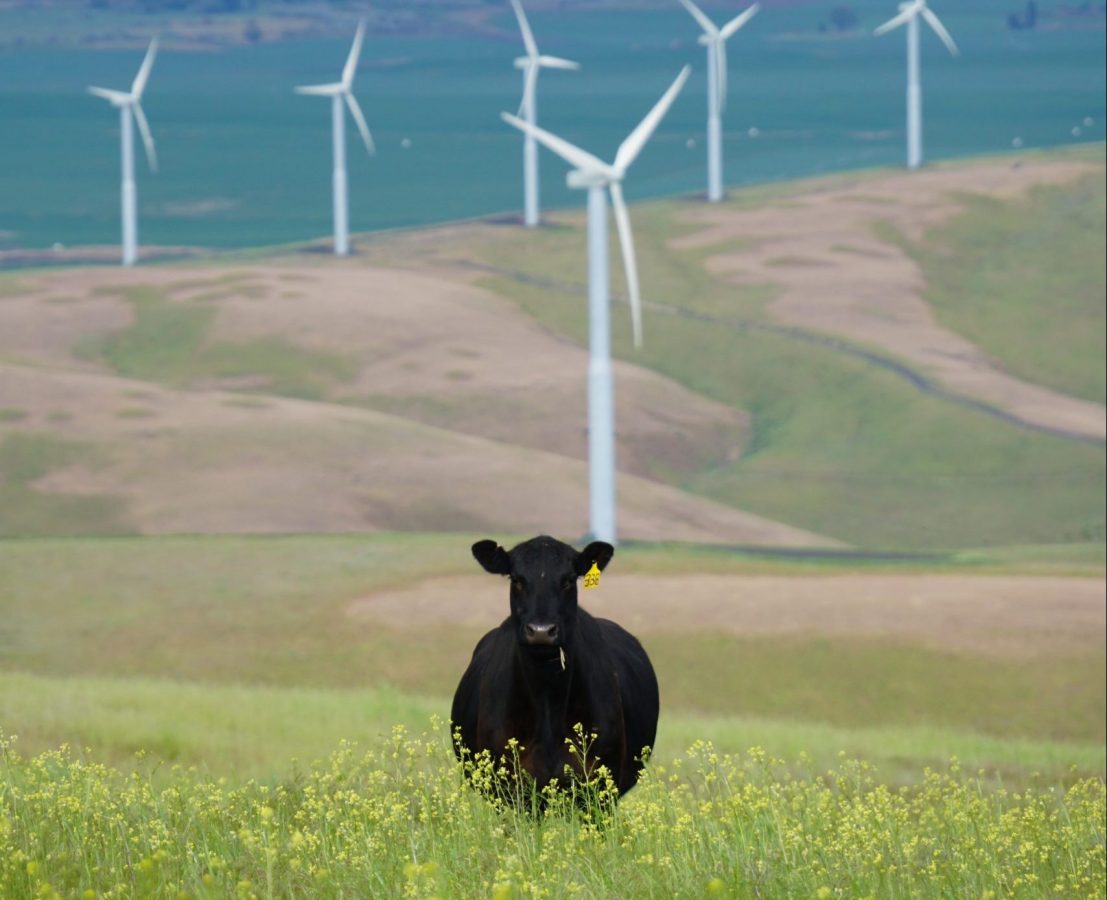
<point x="116" y="643"/>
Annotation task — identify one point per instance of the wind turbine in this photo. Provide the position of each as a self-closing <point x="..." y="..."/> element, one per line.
<point x="715" y="39"/>
<point x="340" y="92"/>
<point x="596" y="175"/>
<point x="128" y="103"/>
<point x="909" y="13"/>
<point x="530" y="64"/>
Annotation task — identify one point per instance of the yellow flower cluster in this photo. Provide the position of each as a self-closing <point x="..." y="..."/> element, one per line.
<point x="405" y="819"/>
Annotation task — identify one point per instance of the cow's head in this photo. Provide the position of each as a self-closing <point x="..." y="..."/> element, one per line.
<point x="543" y="573"/>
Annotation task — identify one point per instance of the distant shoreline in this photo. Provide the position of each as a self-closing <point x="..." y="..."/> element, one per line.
<point x="108" y="254"/>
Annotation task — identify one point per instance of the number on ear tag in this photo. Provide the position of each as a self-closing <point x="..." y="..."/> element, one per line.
<point x="592" y="578"/>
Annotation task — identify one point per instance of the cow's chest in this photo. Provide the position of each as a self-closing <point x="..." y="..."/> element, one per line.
<point x="550" y="740"/>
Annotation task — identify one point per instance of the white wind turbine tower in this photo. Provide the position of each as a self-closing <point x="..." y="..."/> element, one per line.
<point x="129" y="105"/>
<point x="596" y="175"/>
<point x="530" y="64"/>
<point x="715" y="39"/>
<point x="340" y="93"/>
<point x="909" y="13"/>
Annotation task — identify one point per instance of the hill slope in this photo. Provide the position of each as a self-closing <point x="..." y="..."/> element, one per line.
<point x="795" y="388"/>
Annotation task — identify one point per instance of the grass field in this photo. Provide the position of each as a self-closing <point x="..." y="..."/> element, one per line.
<point x="129" y="643"/>
<point x="229" y="730"/>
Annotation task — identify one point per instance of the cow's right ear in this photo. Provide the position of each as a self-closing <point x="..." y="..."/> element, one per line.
<point x="493" y="557"/>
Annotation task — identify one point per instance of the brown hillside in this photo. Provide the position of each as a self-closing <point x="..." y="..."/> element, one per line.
<point x="452" y="411"/>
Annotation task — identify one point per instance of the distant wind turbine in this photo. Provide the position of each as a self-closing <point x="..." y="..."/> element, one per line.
<point x="128" y="103"/>
<point x="340" y="92"/>
<point x="530" y="64"/>
<point x="715" y="39"/>
<point x="909" y="13"/>
<point x="596" y="175"/>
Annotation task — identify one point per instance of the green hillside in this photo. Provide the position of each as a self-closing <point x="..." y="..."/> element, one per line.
<point x="1025" y="280"/>
<point x="845" y="441"/>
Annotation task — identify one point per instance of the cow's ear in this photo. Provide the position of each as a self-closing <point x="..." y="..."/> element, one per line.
<point x="493" y="557"/>
<point x="597" y="552"/>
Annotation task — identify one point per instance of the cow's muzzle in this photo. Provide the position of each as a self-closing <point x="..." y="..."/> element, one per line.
<point x="542" y="635"/>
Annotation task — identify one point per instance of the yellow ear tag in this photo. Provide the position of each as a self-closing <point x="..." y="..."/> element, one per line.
<point x="592" y="578"/>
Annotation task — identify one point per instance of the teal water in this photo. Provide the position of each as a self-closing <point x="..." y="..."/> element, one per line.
<point x="245" y="162"/>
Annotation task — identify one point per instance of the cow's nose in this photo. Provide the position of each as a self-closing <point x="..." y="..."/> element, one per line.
<point x="541" y="634"/>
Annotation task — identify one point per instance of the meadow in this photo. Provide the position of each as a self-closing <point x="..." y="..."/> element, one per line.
<point x="228" y="729"/>
<point x="216" y="714"/>
<point x="401" y="820"/>
<point x="191" y="672"/>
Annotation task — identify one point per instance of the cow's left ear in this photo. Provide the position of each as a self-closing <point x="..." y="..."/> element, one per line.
<point x="597" y="552"/>
<point x="493" y="557"/>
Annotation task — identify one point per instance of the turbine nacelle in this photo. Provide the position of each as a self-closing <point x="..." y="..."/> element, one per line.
<point x="115" y="98"/>
<point x="584" y="179"/>
<point x="321" y="90"/>
<point x="545" y="62"/>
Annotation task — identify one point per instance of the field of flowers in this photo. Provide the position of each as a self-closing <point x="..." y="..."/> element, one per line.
<point x="402" y="819"/>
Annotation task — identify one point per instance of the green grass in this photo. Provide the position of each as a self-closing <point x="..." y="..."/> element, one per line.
<point x="26" y="457"/>
<point x="838" y="445"/>
<point x="863" y="682"/>
<point x="1025" y="280"/>
<point x="244" y="732"/>
<point x="169" y="343"/>
<point x="399" y="819"/>
<point x="230" y="613"/>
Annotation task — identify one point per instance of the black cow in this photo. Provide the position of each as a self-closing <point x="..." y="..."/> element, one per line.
<point x="550" y="666"/>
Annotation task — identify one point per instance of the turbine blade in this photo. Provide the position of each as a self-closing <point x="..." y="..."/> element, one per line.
<point x="359" y="119"/>
<point x="147" y="138"/>
<point x="116" y="97"/>
<point x="626" y="244"/>
<point x="698" y="14"/>
<point x="739" y="20"/>
<point x="530" y="79"/>
<point x="897" y="20"/>
<point x="139" y="84"/>
<point x="939" y="29"/>
<point x="572" y="154"/>
<point x="556" y="62"/>
<point x="350" y="68"/>
<point x="320" y="90"/>
<point x="524" y="26"/>
<point x="632" y="146"/>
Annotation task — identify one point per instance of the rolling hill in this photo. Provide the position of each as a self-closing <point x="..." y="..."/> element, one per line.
<point x="802" y="384"/>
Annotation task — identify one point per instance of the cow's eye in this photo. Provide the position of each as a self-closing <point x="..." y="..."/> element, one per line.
<point x="518" y="582"/>
<point x="567" y="584"/>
